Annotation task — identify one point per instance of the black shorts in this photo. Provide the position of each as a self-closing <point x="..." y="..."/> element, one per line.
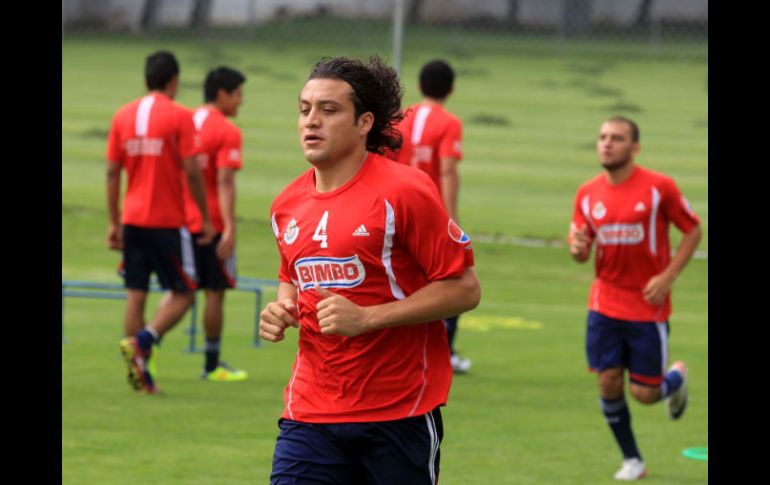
<point x="401" y="452"/>
<point x="213" y="273"/>
<point x="167" y="252"/>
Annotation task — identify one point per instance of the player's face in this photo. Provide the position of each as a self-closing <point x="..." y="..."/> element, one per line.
<point x="230" y="101"/>
<point x="615" y="146"/>
<point x="328" y="131"/>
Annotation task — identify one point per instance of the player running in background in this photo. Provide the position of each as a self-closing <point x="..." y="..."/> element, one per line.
<point x="627" y="210"/>
<point x="220" y="158"/>
<point x="370" y="262"/>
<point x="432" y="142"/>
<point x="154" y="140"/>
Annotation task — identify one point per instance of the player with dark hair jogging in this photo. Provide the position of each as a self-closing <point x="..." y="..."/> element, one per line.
<point x="154" y="139"/>
<point x="220" y="158"/>
<point x="370" y="262"/>
<point x="627" y="211"/>
<point x="432" y="142"/>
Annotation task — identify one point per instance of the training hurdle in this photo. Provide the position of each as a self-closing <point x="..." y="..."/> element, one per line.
<point x="116" y="291"/>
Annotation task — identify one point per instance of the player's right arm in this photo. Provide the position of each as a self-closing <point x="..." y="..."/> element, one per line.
<point x="114" y="232"/>
<point x="198" y="191"/>
<point x="280" y="314"/>
<point x="580" y="236"/>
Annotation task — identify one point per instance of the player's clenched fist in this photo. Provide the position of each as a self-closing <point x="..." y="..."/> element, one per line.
<point x="276" y="317"/>
<point x="339" y="316"/>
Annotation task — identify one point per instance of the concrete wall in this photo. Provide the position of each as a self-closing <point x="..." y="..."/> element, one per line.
<point x="125" y="13"/>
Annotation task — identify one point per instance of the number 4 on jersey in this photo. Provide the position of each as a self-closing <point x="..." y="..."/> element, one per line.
<point x="320" y="231"/>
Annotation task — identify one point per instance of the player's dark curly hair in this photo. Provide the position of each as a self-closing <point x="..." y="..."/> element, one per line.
<point x="376" y="89"/>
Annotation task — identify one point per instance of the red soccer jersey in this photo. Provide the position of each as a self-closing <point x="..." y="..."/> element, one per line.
<point x="430" y="133"/>
<point x="378" y="238"/>
<point x="221" y="148"/>
<point x="630" y="223"/>
<point x="150" y="137"/>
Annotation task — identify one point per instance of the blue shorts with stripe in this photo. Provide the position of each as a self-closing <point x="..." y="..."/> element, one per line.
<point x="401" y="452"/>
<point x="213" y="273"/>
<point x="641" y="347"/>
<point x="166" y="252"/>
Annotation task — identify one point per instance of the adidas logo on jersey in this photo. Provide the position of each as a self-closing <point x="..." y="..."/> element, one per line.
<point x="361" y="231"/>
<point x="640" y="207"/>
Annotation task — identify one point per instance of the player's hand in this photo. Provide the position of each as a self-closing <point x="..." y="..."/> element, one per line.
<point x="226" y="245"/>
<point x="276" y="318"/>
<point x="207" y="234"/>
<point x="339" y="316"/>
<point x="657" y="288"/>
<point x="580" y="243"/>
<point x="115" y="237"/>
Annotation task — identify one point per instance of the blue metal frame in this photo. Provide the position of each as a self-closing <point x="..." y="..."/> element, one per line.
<point x="117" y="292"/>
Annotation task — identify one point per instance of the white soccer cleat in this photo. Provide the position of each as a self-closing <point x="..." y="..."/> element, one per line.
<point x="460" y="365"/>
<point x="677" y="401"/>
<point x="632" y="469"/>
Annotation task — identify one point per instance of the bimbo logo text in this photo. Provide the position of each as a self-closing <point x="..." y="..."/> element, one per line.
<point x="621" y="234"/>
<point x="329" y="272"/>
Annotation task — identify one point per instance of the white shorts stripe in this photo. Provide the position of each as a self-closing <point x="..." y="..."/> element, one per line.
<point x="663" y="334"/>
<point x="434" y="444"/>
<point x="188" y="259"/>
<point x="143" y="115"/>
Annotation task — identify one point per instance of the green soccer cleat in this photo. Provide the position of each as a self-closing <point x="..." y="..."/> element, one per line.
<point x="224" y="373"/>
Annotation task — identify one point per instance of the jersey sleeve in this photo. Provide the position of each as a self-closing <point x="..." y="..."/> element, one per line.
<point x="115" y="149"/>
<point x="229" y="154"/>
<point x="423" y="226"/>
<point x="189" y="140"/>
<point x="451" y="142"/>
<point x="677" y="208"/>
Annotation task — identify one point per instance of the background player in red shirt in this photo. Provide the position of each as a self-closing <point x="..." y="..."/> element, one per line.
<point x="221" y="157"/>
<point x="154" y="140"/>
<point x="370" y="264"/>
<point x="627" y="210"/>
<point x="432" y="142"/>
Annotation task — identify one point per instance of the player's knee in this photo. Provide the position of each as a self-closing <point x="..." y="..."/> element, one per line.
<point x="645" y="394"/>
<point x="611" y="383"/>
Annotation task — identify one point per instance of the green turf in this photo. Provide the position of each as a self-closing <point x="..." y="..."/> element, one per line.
<point x="528" y="412"/>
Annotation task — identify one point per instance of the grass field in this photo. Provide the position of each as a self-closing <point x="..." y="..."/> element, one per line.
<point x="528" y="411"/>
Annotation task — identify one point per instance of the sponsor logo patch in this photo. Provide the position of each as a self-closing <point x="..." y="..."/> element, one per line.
<point x="329" y="272"/>
<point x="621" y="234"/>
<point x="456" y="233"/>
<point x="599" y="210"/>
<point x="291" y="232"/>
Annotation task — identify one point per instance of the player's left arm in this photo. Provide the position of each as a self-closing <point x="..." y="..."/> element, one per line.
<point x="450" y="185"/>
<point x="450" y="154"/>
<point x="438" y="299"/>
<point x="681" y="214"/>
<point x="226" y="194"/>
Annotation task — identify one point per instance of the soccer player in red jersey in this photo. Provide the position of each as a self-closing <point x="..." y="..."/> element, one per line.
<point x="370" y="262"/>
<point x="627" y="211"/>
<point x="432" y="142"/>
<point x="220" y="158"/>
<point x="154" y="140"/>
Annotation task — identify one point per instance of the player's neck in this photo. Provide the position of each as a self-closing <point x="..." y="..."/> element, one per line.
<point x="620" y="174"/>
<point x="433" y="101"/>
<point x="333" y="176"/>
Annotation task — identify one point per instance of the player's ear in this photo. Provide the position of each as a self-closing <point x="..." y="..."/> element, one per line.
<point x="635" y="148"/>
<point x="365" y="122"/>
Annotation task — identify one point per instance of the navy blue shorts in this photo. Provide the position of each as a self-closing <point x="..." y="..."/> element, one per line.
<point x="213" y="273"/>
<point x="167" y="252"/>
<point x="641" y="347"/>
<point x="402" y="452"/>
